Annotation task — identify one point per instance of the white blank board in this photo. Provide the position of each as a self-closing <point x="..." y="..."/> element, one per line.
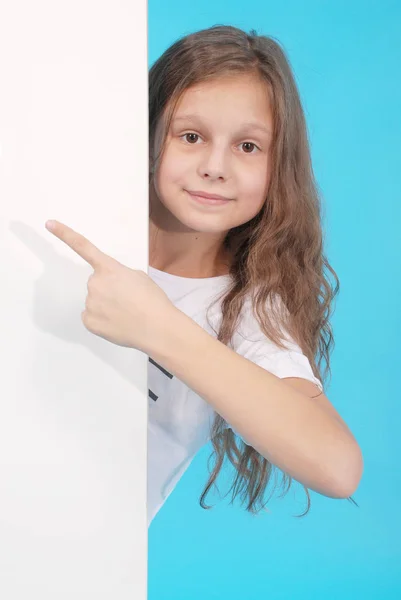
<point x="73" y="407"/>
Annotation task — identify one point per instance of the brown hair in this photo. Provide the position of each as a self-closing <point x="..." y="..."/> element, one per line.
<point x="279" y="251"/>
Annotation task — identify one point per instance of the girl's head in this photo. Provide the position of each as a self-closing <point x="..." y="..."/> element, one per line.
<point x="218" y="142"/>
<point x="225" y="118"/>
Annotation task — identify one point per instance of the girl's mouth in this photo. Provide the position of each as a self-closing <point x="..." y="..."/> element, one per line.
<point x="210" y="200"/>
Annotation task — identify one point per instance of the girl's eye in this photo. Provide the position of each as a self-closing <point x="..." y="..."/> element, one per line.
<point x="190" y="135"/>
<point x="192" y="138"/>
<point x="249" y="144"/>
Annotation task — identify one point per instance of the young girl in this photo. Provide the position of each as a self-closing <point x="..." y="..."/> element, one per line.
<point x="235" y="241"/>
<point x="236" y="305"/>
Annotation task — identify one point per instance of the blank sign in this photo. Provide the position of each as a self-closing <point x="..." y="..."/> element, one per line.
<point x="73" y="407"/>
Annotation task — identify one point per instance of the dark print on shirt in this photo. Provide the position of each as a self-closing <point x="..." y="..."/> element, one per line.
<point x="175" y="412"/>
<point x="152" y="395"/>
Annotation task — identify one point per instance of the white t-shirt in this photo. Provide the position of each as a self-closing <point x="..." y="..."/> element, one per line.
<point x="179" y="420"/>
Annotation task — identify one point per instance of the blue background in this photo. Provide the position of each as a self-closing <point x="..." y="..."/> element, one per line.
<point x="346" y="57"/>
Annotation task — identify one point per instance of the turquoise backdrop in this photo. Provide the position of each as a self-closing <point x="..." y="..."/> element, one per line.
<point x="347" y="60"/>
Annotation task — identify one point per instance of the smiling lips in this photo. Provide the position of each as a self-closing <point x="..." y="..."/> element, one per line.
<point x="204" y="198"/>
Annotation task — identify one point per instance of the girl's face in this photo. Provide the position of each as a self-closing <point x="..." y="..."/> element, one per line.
<point x="218" y="143"/>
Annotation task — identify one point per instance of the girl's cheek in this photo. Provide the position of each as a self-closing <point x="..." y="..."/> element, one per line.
<point x="257" y="185"/>
<point x="174" y="168"/>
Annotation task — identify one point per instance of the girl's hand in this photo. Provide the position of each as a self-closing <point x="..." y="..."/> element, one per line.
<point x="123" y="306"/>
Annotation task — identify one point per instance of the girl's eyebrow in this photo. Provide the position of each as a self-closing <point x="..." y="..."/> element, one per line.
<point x="244" y="126"/>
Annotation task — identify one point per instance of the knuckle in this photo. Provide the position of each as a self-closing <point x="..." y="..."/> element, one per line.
<point x="86" y="320"/>
<point x="90" y="322"/>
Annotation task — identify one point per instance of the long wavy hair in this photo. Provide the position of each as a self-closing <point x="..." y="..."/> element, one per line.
<point x="279" y="251"/>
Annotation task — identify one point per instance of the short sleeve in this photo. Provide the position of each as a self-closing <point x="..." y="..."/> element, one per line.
<point x="282" y="362"/>
<point x="288" y="363"/>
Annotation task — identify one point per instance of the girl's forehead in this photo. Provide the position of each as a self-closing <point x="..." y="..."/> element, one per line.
<point x="239" y="87"/>
<point x="228" y="83"/>
<point x="237" y="97"/>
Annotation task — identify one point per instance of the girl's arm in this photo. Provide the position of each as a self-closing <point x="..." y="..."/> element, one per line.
<point x="304" y="437"/>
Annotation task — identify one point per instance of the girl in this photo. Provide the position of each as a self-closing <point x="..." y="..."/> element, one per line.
<point x="237" y="301"/>
<point x="226" y="120"/>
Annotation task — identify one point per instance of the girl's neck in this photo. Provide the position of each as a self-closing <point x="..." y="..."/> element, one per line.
<point x="184" y="269"/>
<point x="167" y="254"/>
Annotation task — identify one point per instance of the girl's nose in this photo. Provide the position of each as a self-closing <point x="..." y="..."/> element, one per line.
<point x="214" y="165"/>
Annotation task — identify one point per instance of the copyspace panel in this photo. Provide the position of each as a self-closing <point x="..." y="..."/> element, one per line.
<point x="73" y="407"/>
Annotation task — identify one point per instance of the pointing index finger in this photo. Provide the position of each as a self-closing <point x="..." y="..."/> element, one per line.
<point x="80" y="244"/>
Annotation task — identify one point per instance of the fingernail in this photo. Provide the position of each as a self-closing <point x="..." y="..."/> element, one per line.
<point x="50" y="225"/>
